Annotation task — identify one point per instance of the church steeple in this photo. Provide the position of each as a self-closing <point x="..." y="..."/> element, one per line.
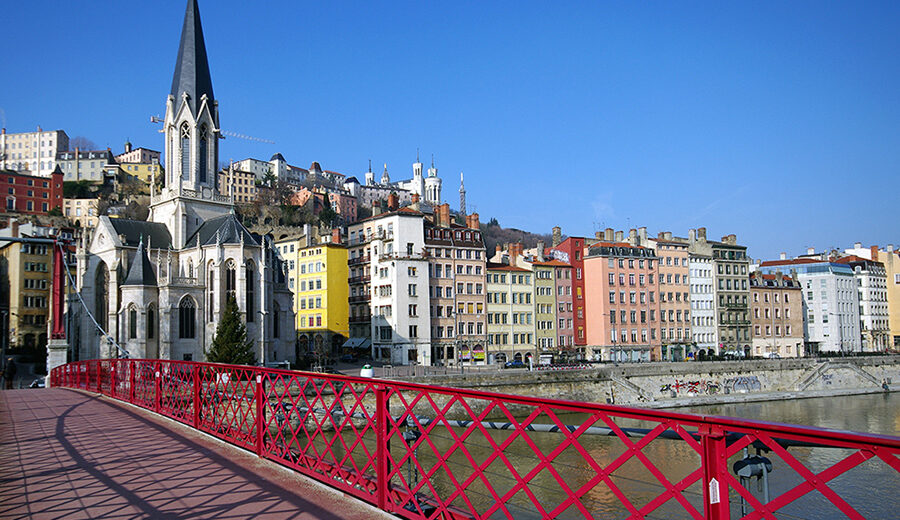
<point x="192" y="68"/>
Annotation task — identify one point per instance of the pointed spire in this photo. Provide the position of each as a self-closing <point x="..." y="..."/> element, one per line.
<point x="370" y="164"/>
<point x="141" y="270"/>
<point x="462" y="195"/>
<point x="192" y="68"/>
<point x="417" y="154"/>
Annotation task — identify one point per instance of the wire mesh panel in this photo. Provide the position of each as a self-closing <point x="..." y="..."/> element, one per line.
<point x="324" y="427"/>
<point x="227" y="403"/>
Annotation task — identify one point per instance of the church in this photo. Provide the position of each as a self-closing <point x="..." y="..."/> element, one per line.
<point x="158" y="288"/>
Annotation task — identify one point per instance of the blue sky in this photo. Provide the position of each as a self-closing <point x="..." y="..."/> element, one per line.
<point x="777" y="121"/>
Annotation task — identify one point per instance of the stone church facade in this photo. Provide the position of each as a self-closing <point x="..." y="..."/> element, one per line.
<point x="159" y="287"/>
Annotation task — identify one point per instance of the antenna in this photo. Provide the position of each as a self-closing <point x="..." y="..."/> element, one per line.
<point x="157" y="119"/>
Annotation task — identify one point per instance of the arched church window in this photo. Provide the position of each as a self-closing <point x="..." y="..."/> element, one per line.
<point x="204" y="154"/>
<point x="251" y="293"/>
<point x="185" y="151"/>
<point x="190" y="268"/>
<point x="187" y="318"/>
<point x="151" y="323"/>
<point x="132" y="322"/>
<point x="276" y="321"/>
<point x="101" y="294"/>
<point x="229" y="280"/>
<point x="211" y="291"/>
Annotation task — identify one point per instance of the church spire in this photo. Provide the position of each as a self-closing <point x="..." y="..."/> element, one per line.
<point x="462" y="195"/>
<point x="192" y="68"/>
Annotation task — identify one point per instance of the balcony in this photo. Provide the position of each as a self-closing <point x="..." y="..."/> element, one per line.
<point x="362" y="298"/>
<point x="360" y="319"/>
<point x="735" y="322"/>
<point x="359" y="279"/>
<point x="735" y="305"/>
<point x="359" y="260"/>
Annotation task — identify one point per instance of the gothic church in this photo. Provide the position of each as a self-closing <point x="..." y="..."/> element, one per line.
<point x="159" y="287"/>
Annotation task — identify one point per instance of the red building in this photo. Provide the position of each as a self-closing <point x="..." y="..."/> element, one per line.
<point x="571" y="251"/>
<point x="30" y="194"/>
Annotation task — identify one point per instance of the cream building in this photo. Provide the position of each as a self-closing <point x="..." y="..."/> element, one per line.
<point x="81" y="212"/>
<point x="32" y="152"/>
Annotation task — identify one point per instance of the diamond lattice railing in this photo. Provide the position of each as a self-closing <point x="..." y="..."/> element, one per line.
<point x="434" y="453"/>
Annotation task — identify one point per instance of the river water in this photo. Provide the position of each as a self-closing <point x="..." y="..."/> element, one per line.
<point x="872" y="487"/>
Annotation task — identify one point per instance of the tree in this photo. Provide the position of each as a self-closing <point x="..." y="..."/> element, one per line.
<point x="82" y="143"/>
<point x="230" y="345"/>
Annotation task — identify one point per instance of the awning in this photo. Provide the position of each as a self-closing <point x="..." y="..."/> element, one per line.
<point x="357" y="343"/>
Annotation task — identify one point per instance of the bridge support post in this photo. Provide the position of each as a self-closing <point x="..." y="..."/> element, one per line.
<point x="99" y="375"/>
<point x="156" y="388"/>
<point x="381" y="448"/>
<point x="195" y="394"/>
<point x="131" y="380"/>
<point x="260" y="413"/>
<point x="715" y="468"/>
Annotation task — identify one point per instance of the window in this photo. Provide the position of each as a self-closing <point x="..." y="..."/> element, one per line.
<point x="413" y="331"/>
<point x="185" y="152"/>
<point x="204" y="155"/>
<point x="187" y="318"/>
<point x="132" y="323"/>
<point x="151" y="323"/>
<point x="276" y="321"/>
<point x="251" y="293"/>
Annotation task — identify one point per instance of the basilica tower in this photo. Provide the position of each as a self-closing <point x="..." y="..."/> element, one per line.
<point x="189" y="195"/>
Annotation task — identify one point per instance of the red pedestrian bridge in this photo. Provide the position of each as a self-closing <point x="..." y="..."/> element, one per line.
<point x="418" y="451"/>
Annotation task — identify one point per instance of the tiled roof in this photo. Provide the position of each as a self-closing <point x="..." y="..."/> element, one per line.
<point x="504" y="267"/>
<point x="795" y="261"/>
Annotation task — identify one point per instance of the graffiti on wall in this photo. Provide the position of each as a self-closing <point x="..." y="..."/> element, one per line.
<point x="742" y="384"/>
<point x="687" y="387"/>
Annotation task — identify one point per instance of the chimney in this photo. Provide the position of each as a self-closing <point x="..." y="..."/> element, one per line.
<point x="498" y="251"/>
<point x="782" y="256"/>
<point x="540" y="251"/>
<point x="472" y="221"/>
<point x="336" y="236"/>
<point x="890" y="248"/>
<point x="692" y="235"/>
<point x="14" y="228"/>
<point x="515" y="249"/>
<point x="620" y="236"/>
<point x="444" y="213"/>
<point x="873" y="252"/>
<point x="557" y="236"/>
<point x="701" y="234"/>
<point x="376" y="208"/>
<point x="609" y="234"/>
<point x="810" y="250"/>
<point x="642" y="235"/>
<point x="632" y="236"/>
<point x="598" y="235"/>
<point x="857" y="245"/>
<point x="393" y="202"/>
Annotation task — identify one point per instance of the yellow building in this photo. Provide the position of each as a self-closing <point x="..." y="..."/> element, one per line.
<point x="140" y="171"/>
<point x="26" y="268"/>
<point x="891" y="260"/>
<point x="81" y="212"/>
<point x="317" y="275"/>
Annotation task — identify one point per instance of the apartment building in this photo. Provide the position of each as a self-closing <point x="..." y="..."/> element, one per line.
<point x="830" y="303"/>
<point x="82" y="213"/>
<point x="32" y="194"/>
<point x="239" y="184"/>
<point x="571" y="251"/>
<point x="890" y="259"/>
<point x="510" y="313"/>
<point x="25" y="273"/>
<point x="553" y="309"/>
<point x="731" y="297"/>
<point x="317" y="276"/>
<point x="387" y="264"/>
<point x="32" y="153"/>
<point x="777" y="315"/>
<point x="456" y="289"/>
<point x="138" y="155"/>
<point x="621" y="302"/>
<point x="86" y="165"/>
<point x="674" y="297"/>
<point x="874" y="314"/>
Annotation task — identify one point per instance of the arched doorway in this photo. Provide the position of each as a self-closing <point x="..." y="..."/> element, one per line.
<point x="517" y="357"/>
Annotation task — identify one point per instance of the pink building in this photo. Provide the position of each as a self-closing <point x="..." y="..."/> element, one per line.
<point x="621" y="302"/>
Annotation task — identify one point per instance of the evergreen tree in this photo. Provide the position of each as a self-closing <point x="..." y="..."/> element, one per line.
<point x="230" y="345"/>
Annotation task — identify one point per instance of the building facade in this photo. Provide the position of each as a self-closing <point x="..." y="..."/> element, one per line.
<point x="830" y="303"/>
<point x="510" y="313"/>
<point x="674" y="299"/>
<point x="777" y="315"/>
<point x="82" y="212"/>
<point x="32" y="153"/>
<point x="571" y="251"/>
<point x="621" y="302"/>
<point x="239" y="185"/>
<point x="138" y="156"/>
<point x="874" y="314"/>
<point x="86" y="165"/>
<point x="26" y="269"/>
<point x="730" y="276"/>
<point x="457" y="289"/>
<point x="32" y="194"/>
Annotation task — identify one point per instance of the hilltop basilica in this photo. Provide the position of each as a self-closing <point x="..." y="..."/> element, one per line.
<point x="159" y="287"/>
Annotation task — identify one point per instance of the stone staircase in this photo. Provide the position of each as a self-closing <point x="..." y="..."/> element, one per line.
<point x="812" y="375"/>
<point x="642" y="394"/>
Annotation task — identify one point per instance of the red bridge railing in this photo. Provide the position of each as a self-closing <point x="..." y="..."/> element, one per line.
<point x="438" y="453"/>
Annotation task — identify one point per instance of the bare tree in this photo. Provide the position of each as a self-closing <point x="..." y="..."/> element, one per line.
<point x="82" y="143"/>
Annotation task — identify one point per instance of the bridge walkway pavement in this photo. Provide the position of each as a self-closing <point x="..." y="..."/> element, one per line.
<point x="70" y="455"/>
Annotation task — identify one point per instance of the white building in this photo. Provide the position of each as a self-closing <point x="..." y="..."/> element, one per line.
<point x="86" y="165"/>
<point x="873" y="302"/>
<point x="703" y="306"/>
<point x="830" y="303"/>
<point x="387" y="262"/>
<point x="159" y="288"/>
<point x="427" y="188"/>
<point x="32" y="152"/>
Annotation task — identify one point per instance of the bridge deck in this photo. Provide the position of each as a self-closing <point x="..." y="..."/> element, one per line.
<point x="66" y="454"/>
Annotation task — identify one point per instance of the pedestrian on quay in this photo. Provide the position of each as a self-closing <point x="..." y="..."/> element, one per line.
<point x="9" y="374"/>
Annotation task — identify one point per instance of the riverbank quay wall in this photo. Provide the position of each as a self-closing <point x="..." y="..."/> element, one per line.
<point x="662" y="385"/>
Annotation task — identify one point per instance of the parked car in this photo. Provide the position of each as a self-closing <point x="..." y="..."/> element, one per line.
<point x="514" y="364"/>
<point x="38" y="383"/>
<point x="348" y="358"/>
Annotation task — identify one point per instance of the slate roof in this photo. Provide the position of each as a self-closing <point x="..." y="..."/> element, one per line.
<point x="192" y="68"/>
<point x="229" y="229"/>
<point x="141" y="270"/>
<point x="154" y="233"/>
